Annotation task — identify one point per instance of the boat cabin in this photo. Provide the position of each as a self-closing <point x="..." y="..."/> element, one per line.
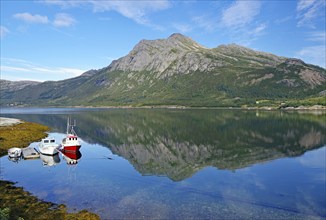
<point x="48" y="141"/>
<point x="70" y="139"/>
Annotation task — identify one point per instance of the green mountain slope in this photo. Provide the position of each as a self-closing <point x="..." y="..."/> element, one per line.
<point x="179" y="71"/>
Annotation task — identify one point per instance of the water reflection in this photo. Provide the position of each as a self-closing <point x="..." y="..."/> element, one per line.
<point x="179" y="143"/>
<point x="71" y="157"/>
<point x="50" y="160"/>
<point x="235" y="151"/>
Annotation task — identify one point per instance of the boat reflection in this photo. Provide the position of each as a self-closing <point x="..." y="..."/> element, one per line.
<point x="14" y="159"/>
<point x="177" y="144"/>
<point x="71" y="157"/>
<point x="49" y="160"/>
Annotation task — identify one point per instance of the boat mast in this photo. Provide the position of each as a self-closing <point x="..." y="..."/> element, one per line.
<point x="68" y="125"/>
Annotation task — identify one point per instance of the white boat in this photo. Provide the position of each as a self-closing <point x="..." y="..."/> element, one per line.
<point x="14" y="152"/>
<point x="48" y="146"/>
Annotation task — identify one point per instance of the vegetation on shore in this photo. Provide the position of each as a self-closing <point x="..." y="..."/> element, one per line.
<point x="15" y="203"/>
<point x="20" y="135"/>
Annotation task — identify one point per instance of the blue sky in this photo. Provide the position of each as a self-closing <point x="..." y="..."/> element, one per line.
<point x="57" y="39"/>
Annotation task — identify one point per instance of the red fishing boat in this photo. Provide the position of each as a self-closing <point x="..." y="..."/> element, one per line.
<point x="71" y="141"/>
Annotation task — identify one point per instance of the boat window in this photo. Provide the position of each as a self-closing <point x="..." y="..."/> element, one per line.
<point x="46" y="141"/>
<point x="52" y="141"/>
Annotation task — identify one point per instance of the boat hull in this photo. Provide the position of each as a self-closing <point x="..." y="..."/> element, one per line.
<point x="48" y="151"/>
<point x="71" y="148"/>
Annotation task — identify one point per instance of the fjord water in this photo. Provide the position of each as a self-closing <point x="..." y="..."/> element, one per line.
<point x="183" y="164"/>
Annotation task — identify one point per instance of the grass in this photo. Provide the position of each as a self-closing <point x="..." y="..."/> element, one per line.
<point x="20" y="135"/>
<point x="15" y="203"/>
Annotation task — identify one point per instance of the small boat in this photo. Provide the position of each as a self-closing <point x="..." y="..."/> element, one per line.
<point x="71" y="157"/>
<point x="71" y="141"/>
<point x="15" y="152"/>
<point x="30" y="153"/>
<point x="48" y="146"/>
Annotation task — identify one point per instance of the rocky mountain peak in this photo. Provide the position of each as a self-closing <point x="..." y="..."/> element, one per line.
<point x="158" y="55"/>
<point x="186" y="42"/>
<point x="178" y="36"/>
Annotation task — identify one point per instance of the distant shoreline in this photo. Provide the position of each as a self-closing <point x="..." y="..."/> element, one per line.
<point x="269" y="108"/>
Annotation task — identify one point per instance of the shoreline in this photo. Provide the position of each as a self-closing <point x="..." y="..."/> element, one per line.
<point x="17" y="203"/>
<point x="269" y="108"/>
<point x="9" y="121"/>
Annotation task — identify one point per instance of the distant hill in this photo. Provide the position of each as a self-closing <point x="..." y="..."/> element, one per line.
<point x="179" y="71"/>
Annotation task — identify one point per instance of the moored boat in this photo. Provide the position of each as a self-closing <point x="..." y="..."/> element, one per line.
<point x="71" y="141"/>
<point x="14" y="152"/>
<point x="48" y="146"/>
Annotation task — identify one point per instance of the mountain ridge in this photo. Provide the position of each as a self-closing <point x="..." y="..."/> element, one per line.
<point x="179" y="71"/>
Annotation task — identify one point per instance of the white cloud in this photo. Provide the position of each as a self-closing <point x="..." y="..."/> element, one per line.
<point x="28" y="70"/>
<point x="308" y="11"/>
<point x="4" y="68"/>
<point x="135" y="10"/>
<point x="240" y="13"/>
<point x="240" y="23"/>
<point x="313" y="54"/>
<point x="64" y="3"/>
<point x="317" y="36"/>
<point x="29" y="18"/>
<point x="63" y="20"/>
<point x="3" y="31"/>
<point x="304" y="4"/>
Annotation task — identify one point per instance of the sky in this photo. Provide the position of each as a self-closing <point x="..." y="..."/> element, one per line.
<point x="58" y="39"/>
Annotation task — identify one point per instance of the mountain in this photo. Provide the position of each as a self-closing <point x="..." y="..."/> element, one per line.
<point x="6" y="85"/>
<point x="9" y="87"/>
<point x="179" y="71"/>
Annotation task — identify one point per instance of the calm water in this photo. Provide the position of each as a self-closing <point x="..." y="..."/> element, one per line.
<point x="182" y="164"/>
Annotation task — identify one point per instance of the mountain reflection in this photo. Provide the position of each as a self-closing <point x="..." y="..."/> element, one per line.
<point x="177" y="143"/>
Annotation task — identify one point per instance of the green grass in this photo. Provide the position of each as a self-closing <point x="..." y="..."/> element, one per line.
<point x="20" y="135"/>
